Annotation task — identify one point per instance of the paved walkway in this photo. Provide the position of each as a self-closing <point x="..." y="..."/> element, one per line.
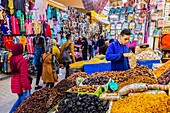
<point x="7" y="99"/>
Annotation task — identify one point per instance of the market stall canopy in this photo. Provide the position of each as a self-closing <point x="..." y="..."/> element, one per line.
<point x="102" y="20"/>
<point x="71" y="3"/>
<point x="56" y="4"/>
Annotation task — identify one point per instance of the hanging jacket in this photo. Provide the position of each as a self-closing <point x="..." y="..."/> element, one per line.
<point x="115" y="55"/>
<point x="20" y="81"/>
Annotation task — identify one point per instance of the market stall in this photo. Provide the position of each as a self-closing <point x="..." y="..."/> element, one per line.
<point x="103" y="92"/>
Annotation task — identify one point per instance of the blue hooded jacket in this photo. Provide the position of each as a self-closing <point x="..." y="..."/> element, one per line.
<point x="115" y="55"/>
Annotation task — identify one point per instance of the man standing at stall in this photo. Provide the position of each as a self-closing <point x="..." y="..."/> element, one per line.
<point x="118" y="52"/>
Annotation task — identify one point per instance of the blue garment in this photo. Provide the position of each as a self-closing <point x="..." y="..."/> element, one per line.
<point x="38" y="54"/>
<point x="21" y="98"/>
<point x="115" y="55"/>
<point x="63" y="40"/>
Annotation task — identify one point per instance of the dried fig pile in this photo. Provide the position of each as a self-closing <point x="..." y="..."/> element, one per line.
<point x="40" y="101"/>
<point x="78" y="74"/>
<point x="83" y="104"/>
<point x="99" y="80"/>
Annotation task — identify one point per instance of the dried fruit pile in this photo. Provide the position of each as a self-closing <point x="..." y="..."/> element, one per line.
<point x="87" y="89"/>
<point x="101" y="80"/>
<point x="63" y="86"/>
<point x="40" y="101"/>
<point x="83" y="104"/>
<point x="124" y="75"/>
<point x="137" y="79"/>
<point x="164" y="78"/>
<point x="142" y="103"/>
<point x="78" y="74"/>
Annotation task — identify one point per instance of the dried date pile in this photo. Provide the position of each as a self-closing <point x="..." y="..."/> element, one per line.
<point x="78" y="74"/>
<point x="83" y="104"/>
<point x="142" y="103"/>
<point x="40" y="101"/>
<point x="99" y="80"/>
<point x="164" y="78"/>
<point x="63" y="86"/>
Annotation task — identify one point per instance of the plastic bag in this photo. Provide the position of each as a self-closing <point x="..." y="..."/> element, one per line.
<point x="133" y="88"/>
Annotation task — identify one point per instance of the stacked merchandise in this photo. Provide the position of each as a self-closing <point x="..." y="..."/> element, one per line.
<point x="130" y="16"/>
<point x="135" y="84"/>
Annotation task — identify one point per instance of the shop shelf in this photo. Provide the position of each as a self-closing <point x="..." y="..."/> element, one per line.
<point x="148" y="63"/>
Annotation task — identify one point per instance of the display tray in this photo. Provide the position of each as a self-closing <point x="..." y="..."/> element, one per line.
<point x="96" y="93"/>
<point x="158" y="72"/>
<point x="104" y="86"/>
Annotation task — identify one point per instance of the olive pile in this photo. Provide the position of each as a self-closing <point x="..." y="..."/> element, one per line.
<point x="78" y="74"/>
<point x="87" y="89"/>
<point x="83" y="104"/>
<point x="100" y="80"/>
<point x="164" y="79"/>
<point x="40" y="101"/>
<point x="63" y="86"/>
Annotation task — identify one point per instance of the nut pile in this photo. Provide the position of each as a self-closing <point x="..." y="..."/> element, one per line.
<point x="78" y="74"/>
<point x="100" y="80"/>
<point x="63" y="86"/>
<point x="83" y="104"/>
<point x="164" y="78"/>
<point x="40" y="101"/>
<point x="87" y="89"/>
<point x="142" y="103"/>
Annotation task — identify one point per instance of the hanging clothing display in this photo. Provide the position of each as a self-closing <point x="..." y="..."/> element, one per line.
<point x="15" y="25"/>
<point x="11" y="6"/>
<point x="19" y="5"/>
<point x="37" y="27"/>
<point x="29" y="28"/>
<point x="23" y="41"/>
<point x="48" y="31"/>
<point x="8" y="41"/>
<point x="30" y="46"/>
<point x="41" y="6"/>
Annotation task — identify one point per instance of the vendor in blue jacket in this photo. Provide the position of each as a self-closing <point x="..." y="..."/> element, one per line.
<point x="118" y="52"/>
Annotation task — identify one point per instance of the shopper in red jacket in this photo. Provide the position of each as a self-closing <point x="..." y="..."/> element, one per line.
<point x="20" y="83"/>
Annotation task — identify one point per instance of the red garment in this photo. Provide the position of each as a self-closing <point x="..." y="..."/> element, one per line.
<point x="8" y="41"/>
<point x="30" y="47"/>
<point x="20" y="81"/>
<point x="15" y="25"/>
<point x="48" y="31"/>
